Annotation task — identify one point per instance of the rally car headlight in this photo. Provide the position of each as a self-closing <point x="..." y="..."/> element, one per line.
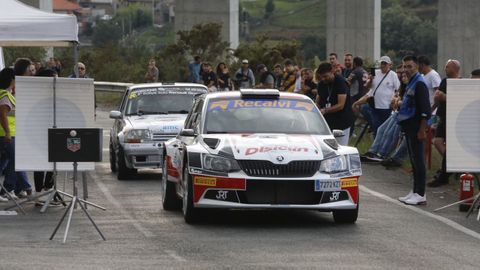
<point x="219" y="164"/>
<point x="355" y="164"/>
<point x="332" y="165"/>
<point x="137" y="136"/>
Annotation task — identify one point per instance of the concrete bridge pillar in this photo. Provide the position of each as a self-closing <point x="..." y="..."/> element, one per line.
<point x="459" y="34"/>
<point x="354" y="27"/>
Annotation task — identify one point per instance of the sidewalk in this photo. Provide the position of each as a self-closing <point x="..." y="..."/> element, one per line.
<point x="397" y="183"/>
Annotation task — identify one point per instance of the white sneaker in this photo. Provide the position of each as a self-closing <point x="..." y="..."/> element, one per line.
<point x="22" y="194"/>
<point x="403" y="199"/>
<point x="3" y="199"/>
<point x="12" y="194"/>
<point x="416" y="199"/>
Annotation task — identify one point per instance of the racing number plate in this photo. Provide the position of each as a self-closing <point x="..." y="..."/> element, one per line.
<point x="328" y="185"/>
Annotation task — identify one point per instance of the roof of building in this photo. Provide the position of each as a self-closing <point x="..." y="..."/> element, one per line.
<point x="65" y="5"/>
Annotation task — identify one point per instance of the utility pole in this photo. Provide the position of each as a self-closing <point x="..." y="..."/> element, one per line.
<point x="153" y="12"/>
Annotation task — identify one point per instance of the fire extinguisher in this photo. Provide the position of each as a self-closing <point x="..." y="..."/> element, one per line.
<point x="466" y="191"/>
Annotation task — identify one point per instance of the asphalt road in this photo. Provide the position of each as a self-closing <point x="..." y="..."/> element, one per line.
<point x="140" y="235"/>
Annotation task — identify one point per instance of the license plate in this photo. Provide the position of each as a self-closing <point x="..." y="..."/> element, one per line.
<point x="327" y="185"/>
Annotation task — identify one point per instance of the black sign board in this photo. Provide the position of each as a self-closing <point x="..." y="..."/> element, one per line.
<point x="75" y="144"/>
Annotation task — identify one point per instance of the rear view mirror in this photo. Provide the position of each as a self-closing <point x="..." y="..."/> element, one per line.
<point x="187" y="133"/>
<point x="115" y="115"/>
<point x="338" y="133"/>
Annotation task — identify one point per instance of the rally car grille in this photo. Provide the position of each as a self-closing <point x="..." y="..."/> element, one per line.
<point x="280" y="192"/>
<point x="264" y="168"/>
<point x="162" y="137"/>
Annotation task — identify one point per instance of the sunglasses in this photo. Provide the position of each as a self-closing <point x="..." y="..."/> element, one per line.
<point x="81" y="68"/>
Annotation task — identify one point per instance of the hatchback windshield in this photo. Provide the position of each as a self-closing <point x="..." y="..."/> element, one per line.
<point x="154" y="101"/>
<point x="290" y="116"/>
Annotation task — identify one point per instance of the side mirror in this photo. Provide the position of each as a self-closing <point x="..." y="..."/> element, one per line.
<point x="338" y="133"/>
<point x="115" y="115"/>
<point x="187" y="133"/>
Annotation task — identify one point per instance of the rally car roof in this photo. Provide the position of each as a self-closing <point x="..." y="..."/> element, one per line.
<point x="167" y="84"/>
<point x="239" y="94"/>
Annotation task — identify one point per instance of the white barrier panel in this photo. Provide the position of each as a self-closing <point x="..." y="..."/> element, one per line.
<point x="34" y="115"/>
<point x="463" y="125"/>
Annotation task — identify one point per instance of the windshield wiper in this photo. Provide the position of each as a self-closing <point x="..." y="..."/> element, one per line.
<point x="141" y="112"/>
<point x="217" y="132"/>
<point x="180" y="111"/>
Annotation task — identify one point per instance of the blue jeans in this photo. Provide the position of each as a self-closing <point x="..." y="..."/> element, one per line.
<point x="416" y="152"/>
<point x="378" y="117"/>
<point x="16" y="181"/>
<point x="366" y="110"/>
<point x="387" y="137"/>
<point x="401" y="151"/>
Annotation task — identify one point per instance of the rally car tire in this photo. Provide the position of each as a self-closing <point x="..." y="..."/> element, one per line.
<point x="170" y="200"/>
<point x="345" y="216"/>
<point x="190" y="213"/>
<point x="113" y="162"/>
<point x="123" y="172"/>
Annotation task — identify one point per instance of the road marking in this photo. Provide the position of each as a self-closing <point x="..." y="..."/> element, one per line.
<point x="175" y="256"/>
<point x="444" y="220"/>
<point x="117" y="204"/>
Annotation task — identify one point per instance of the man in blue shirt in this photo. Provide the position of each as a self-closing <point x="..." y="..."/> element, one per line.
<point x="412" y="117"/>
<point x="194" y="68"/>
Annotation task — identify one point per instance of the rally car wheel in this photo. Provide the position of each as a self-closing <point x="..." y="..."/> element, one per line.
<point x="170" y="201"/>
<point x="345" y="216"/>
<point x="190" y="214"/>
<point x="123" y="172"/>
<point x="113" y="163"/>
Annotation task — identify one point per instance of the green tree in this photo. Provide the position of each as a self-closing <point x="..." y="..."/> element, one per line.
<point x="269" y="9"/>
<point x="13" y="53"/>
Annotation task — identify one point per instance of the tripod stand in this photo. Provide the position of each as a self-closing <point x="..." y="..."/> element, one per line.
<point x="73" y="204"/>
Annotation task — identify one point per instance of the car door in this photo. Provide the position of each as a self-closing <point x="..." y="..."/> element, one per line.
<point x="118" y="124"/>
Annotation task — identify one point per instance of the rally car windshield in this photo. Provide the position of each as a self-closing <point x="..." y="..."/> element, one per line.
<point x="147" y="101"/>
<point x="264" y="116"/>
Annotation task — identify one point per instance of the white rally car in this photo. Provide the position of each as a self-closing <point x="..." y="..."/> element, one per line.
<point x="149" y="115"/>
<point x="259" y="149"/>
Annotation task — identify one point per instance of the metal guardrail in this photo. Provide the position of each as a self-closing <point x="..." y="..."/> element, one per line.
<point x="111" y="86"/>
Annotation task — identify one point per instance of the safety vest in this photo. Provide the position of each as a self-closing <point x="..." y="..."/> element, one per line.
<point x="10" y="115"/>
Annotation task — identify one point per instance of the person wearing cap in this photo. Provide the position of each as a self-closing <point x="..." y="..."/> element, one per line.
<point x="383" y="85"/>
<point x="244" y="76"/>
<point x="267" y="79"/>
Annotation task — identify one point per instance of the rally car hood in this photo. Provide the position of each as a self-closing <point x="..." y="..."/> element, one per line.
<point x="172" y="123"/>
<point x="277" y="148"/>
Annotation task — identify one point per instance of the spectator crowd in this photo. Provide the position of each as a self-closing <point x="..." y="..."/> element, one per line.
<point x="399" y="104"/>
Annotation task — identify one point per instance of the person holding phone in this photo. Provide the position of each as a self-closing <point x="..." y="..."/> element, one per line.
<point x="383" y="83"/>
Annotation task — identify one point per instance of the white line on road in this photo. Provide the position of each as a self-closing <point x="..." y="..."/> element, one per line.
<point x="444" y="220"/>
<point x="117" y="204"/>
<point x="175" y="256"/>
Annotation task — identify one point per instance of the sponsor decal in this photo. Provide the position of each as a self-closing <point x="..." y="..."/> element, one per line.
<point x="260" y="103"/>
<point x="265" y="149"/>
<point x="73" y="144"/>
<point x="222" y="195"/>
<point x="349" y="182"/>
<point x="205" y="181"/>
<point x="165" y="91"/>
<point x="335" y="196"/>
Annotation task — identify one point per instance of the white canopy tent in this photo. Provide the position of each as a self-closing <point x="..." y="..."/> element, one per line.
<point x="23" y="25"/>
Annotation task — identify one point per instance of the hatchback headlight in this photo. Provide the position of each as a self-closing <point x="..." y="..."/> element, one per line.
<point x="137" y="136"/>
<point x="333" y="165"/>
<point x="219" y="164"/>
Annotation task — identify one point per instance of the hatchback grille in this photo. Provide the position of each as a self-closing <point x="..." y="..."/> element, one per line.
<point x="264" y="168"/>
<point x="162" y="137"/>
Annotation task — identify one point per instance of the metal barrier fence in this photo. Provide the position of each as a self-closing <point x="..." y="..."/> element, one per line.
<point x="111" y="86"/>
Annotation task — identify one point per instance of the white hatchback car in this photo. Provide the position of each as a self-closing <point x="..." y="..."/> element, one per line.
<point x="259" y="149"/>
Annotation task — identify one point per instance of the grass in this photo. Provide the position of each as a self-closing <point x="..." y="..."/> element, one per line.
<point x="108" y="100"/>
<point x="301" y="16"/>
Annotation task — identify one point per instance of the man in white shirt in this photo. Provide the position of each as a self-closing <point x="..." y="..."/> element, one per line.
<point x="430" y="76"/>
<point x="383" y="85"/>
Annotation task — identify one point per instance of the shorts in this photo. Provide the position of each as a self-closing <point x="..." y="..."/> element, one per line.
<point x="441" y="130"/>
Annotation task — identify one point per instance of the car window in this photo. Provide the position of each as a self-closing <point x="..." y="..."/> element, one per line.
<point x="192" y="114"/>
<point x="161" y="100"/>
<point x="291" y="116"/>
